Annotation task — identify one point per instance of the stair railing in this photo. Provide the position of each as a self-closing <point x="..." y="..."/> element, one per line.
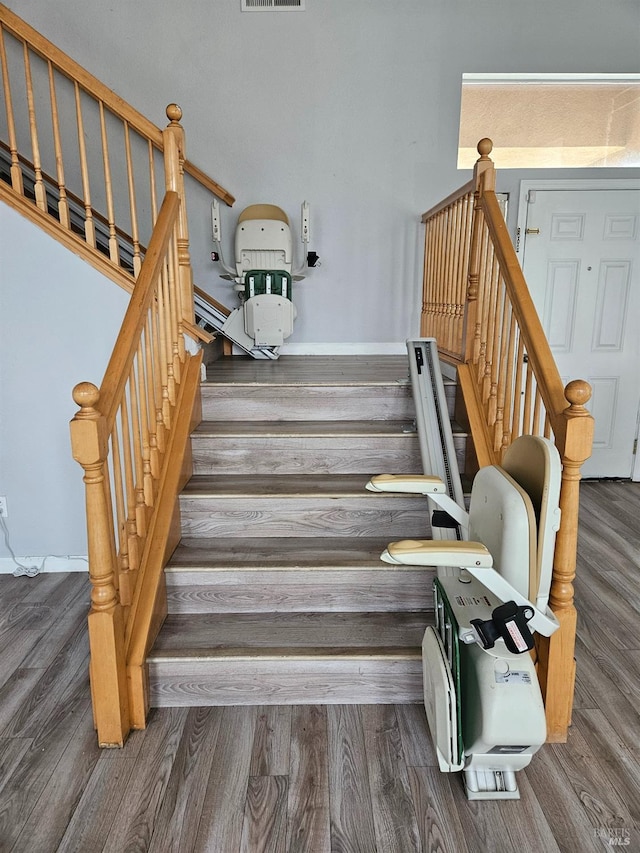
<point x="476" y="303"/>
<point x="131" y="437"/>
<point x="53" y="108"/>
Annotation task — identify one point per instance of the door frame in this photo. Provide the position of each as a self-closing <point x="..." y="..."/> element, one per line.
<point x="570" y="185"/>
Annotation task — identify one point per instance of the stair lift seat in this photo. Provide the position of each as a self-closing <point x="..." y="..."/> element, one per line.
<point x="482" y="698"/>
<point x="263" y="274"/>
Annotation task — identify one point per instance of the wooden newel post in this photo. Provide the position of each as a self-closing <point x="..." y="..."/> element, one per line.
<point x="556" y="663"/>
<point x="89" y="442"/>
<point x="484" y="177"/>
<point x="174" y="157"/>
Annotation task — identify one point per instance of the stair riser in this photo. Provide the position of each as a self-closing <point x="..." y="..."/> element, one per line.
<point x="304" y="402"/>
<point x="285" y="682"/>
<point x="291" y="455"/>
<point x="299" y="591"/>
<point x="247" y="518"/>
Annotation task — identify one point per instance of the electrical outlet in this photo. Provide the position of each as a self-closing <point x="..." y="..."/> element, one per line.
<point x="4" y="512"/>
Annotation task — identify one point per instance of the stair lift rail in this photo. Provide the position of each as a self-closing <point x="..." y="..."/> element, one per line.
<point x="434" y="434"/>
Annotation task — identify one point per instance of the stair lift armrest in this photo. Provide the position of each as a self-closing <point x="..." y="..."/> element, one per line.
<point x="437" y="552"/>
<point x="412" y="484"/>
<point x="305" y="236"/>
<point x="420" y="484"/>
<point x="216" y="232"/>
<point x="544" y="623"/>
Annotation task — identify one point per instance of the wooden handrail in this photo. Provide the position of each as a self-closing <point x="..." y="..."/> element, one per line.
<point x="129" y="191"/>
<point x="208" y="183"/>
<point x="469" y="187"/>
<point x="510" y="384"/>
<point x="75" y="72"/>
<point x="537" y="346"/>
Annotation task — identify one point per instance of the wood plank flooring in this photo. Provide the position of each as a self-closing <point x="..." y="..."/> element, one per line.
<point x="314" y="778"/>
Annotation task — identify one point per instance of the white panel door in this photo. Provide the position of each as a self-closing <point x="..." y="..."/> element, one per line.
<point x="582" y="265"/>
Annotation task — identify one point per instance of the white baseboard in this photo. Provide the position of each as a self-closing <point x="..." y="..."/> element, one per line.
<point x="47" y="563"/>
<point x="399" y="348"/>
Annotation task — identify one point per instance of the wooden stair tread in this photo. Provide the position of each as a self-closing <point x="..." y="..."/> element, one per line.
<point x="307" y="429"/>
<point x="312" y="370"/>
<point x="278" y="653"/>
<point x="284" y="634"/>
<point x="318" y="554"/>
<point x="284" y="485"/>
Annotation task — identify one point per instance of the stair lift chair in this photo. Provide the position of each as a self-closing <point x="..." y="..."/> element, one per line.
<point x="263" y="273"/>
<point x="482" y="698"/>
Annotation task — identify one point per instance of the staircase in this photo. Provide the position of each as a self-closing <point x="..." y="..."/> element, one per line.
<point x="276" y="593"/>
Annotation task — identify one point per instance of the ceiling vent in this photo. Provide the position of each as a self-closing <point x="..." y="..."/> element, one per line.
<point x="272" y="5"/>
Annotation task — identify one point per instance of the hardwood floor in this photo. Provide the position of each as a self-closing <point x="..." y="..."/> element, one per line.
<point x="314" y="778"/>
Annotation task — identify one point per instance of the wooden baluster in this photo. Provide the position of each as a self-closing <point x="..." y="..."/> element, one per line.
<point x="424" y="318"/>
<point x="138" y="462"/>
<point x="467" y="211"/>
<point x="130" y="492"/>
<point x="16" y="171"/>
<point x="166" y="363"/>
<point x="512" y="401"/>
<point x="174" y="156"/>
<point x="473" y="320"/>
<point x="455" y="250"/>
<point x="39" y="187"/>
<point x="431" y="295"/>
<point x="124" y="583"/>
<point x="177" y="333"/>
<point x="484" y="305"/>
<point x="446" y="264"/>
<point x="63" y="201"/>
<point x="145" y="424"/>
<point x="527" y="424"/>
<point x="505" y="393"/>
<point x="497" y="325"/>
<point x="556" y="664"/>
<point x="89" y="225"/>
<point x="517" y="391"/>
<point x="491" y="334"/>
<point x="449" y="257"/>
<point x="537" y="406"/>
<point x="442" y="276"/>
<point x="441" y="272"/>
<point x="152" y="184"/>
<point x="89" y="439"/>
<point x="153" y="326"/>
<point x="137" y="257"/>
<point x="114" y="249"/>
<point x="434" y="284"/>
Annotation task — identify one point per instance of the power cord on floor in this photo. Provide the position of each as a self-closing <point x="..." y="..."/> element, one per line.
<point x="30" y="571"/>
<point x="21" y="569"/>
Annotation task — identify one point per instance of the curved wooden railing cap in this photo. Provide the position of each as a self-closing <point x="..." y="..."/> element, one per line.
<point x="578" y="392"/>
<point x="484" y="147"/>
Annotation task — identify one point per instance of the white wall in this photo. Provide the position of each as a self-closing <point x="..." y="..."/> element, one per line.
<point x="352" y="104"/>
<point x="59" y="319"/>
